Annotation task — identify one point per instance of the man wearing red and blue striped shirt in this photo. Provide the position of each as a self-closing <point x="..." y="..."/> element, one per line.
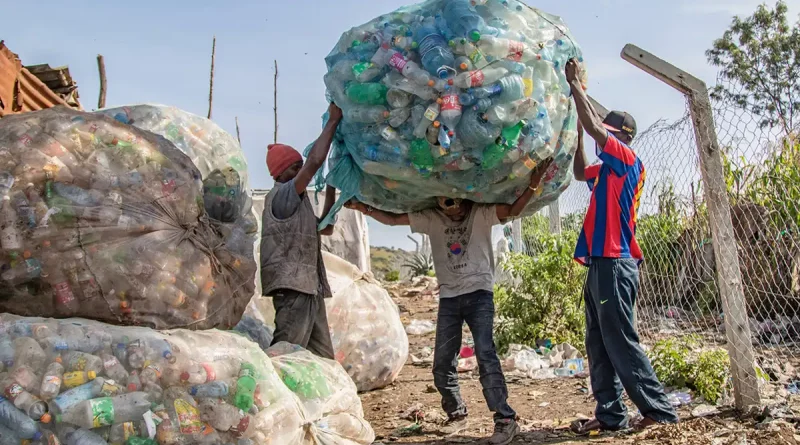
<point x="607" y="245"/>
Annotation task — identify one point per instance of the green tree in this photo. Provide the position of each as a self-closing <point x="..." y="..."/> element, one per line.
<point x="759" y="55"/>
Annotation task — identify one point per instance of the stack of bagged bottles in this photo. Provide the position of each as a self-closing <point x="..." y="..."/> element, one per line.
<point x="78" y="382"/>
<point x="218" y="156"/>
<point x="106" y="221"/>
<point x="367" y="333"/>
<point x="452" y="98"/>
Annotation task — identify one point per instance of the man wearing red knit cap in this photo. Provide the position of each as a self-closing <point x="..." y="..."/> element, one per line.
<point x="292" y="271"/>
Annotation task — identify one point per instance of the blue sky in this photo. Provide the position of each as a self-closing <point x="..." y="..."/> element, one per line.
<point x="159" y="52"/>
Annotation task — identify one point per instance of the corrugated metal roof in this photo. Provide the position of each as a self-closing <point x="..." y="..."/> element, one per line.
<point x="21" y="91"/>
<point x="59" y="80"/>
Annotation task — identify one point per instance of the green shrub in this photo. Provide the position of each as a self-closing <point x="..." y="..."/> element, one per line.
<point x="392" y="276"/>
<point x="547" y="302"/>
<point x="712" y="373"/>
<point x="678" y="365"/>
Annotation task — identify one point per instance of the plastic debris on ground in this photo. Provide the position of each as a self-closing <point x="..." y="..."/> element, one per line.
<point x="423" y="357"/>
<point x="367" y="334"/>
<point x="420" y="327"/>
<point x="467" y="364"/>
<point x="218" y="156"/>
<point x="106" y="221"/>
<point x="86" y="382"/>
<point x="327" y="394"/>
<point x="444" y="98"/>
<point x="679" y="398"/>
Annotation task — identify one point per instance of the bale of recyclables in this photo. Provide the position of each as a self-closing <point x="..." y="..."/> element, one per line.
<point x="106" y="221"/>
<point x="92" y="383"/>
<point x="218" y="156"/>
<point x="367" y="333"/>
<point x="325" y="392"/>
<point x="452" y="98"/>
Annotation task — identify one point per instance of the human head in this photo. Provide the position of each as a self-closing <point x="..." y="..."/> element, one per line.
<point x="453" y="208"/>
<point x="283" y="162"/>
<point x="621" y="125"/>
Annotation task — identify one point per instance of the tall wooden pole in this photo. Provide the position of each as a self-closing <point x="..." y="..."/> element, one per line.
<point x="211" y="80"/>
<point x="101" y="67"/>
<point x="275" y="103"/>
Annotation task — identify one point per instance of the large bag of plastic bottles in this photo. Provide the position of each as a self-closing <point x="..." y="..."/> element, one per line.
<point x="106" y="221"/>
<point x="452" y="98"/>
<point x="88" y="383"/>
<point x="366" y="330"/>
<point x="328" y="396"/>
<point x="218" y="156"/>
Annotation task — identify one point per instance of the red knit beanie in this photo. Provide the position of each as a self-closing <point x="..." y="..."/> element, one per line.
<point x="280" y="157"/>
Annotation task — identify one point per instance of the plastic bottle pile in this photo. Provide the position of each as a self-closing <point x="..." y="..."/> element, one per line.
<point x="452" y="98"/>
<point x="325" y="391"/>
<point x="365" y="325"/>
<point x="105" y="221"/>
<point x="218" y="156"/>
<point x="79" y="382"/>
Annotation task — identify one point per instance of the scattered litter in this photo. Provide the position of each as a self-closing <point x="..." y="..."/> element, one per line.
<point x="679" y="398"/>
<point x="467" y="352"/>
<point x="794" y="387"/>
<point x="420" y="327"/>
<point x="430" y="389"/>
<point x="524" y="359"/>
<point x="544" y="404"/>
<point x="542" y="374"/>
<point x="467" y="364"/>
<point x="704" y="411"/>
<point x="414" y="429"/>
<point x="414" y="413"/>
<point x="571" y="368"/>
<point x="561" y="353"/>
<point x="423" y="357"/>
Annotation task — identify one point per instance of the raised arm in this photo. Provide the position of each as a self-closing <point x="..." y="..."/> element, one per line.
<point x="390" y="219"/>
<point x="319" y="152"/>
<point x="506" y="211"/>
<point x="579" y="165"/>
<point x="330" y="199"/>
<point x="592" y="122"/>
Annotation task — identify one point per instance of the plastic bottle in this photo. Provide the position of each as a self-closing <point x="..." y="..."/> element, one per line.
<point x="51" y="382"/>
<point x="82" y="361"/>
<point x="8" y="437"/>
<point x="493" y="155"/>
<point x="23" y="272"/>
<point x="463" y="20"/>
<point x="435" y="54"/>
<point x="64" y="301"/>
<point x="105" y="411"/>
<point x="28" y="403"/>
<point x="76" y="378"/>
<point x="16" y="421"/>
<point x="396" y="81"/>
<point x="223" y="416"/>
<point x="510" y="136"/>
<point x="245" y="387"/>
<point x="367" y="93"/>
<point x="500" y="48"/>
<point x="399" y="116"/>
<point x="391" y="136"/>
<point x="478" y="78"/>
<point x="450" y="112"/>
<point x="137" y="354"/>
<point x="78" y="394"/>
<point x="217" y="389"/>
<point x="25" y="212"/>
<point x="122" y="432"/>
<point x="113" y="368"/>
<point x="25" y="376"/>
<point x="471" y="52"/>
<point x="463" y="64"/>
<point x="475" y="133"/>
<point x="27" y="352"/>
<point x="83" y="437"/>
<point x="485" y="91"/>
<point x="134" y="382"/>
<point x="10" y="234"/>
<point x="367" y="115"/>
<point x="512" y="112"/>
<point x="365" y="71"/>
<point x="199" y="373"/>
<point x="512" y="88"/>
<point x="6" y="352"/>
<point x="398" y="98"/>
<point x="409" y="69"/>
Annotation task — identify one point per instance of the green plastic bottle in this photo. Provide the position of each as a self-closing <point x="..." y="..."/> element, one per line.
<point x="493" y="155"/>
<point x="66" y="215"/>
<point x="421" y="156"/>
<point x="140" y="441"/>
<point x="245" y="387"/>
<point x="510" y="135"/>
<point x="367" y="93"/>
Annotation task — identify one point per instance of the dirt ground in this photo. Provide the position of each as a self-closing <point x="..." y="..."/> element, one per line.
<point x="545" y="407"/>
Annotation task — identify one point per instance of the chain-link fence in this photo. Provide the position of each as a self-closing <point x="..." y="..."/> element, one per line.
<point x="679" y="289"/>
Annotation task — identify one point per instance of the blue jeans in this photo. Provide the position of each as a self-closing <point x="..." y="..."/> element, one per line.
<point x="616" y="358"/>
<point x="477" y="310"/>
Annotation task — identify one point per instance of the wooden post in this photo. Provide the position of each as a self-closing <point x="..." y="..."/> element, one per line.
<point x="729" y="275"/>
<point x="238" y="136"/>
<point x="211" y="79"/>
<point x="101" y="67"/>
<point x="275" y="102"/>
<point x="554" y="211"/>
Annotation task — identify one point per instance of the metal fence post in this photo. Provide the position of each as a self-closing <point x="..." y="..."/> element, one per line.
<point x="729" y="275"/>
<point x="516" y="234"/>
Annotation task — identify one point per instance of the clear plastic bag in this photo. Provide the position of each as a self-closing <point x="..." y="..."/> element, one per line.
<point x="218" y="156"/>
<point x="453" y="98"/>
<point x="177" y="387"/>
<point x="328" y="396"/>
<point x="106" y="221"/>
<point x="365" y="325"/>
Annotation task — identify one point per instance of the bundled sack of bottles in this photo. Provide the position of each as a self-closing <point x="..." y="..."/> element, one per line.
<point x="105" y="221"/>
<point x="87" y="383"/>
<point x="218" y="156"/>
<point x="366" y="330"/>
<point x="452" y="98"/>
<point x="328" y="396"/>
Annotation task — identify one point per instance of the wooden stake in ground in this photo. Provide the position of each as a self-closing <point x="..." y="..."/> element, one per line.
<point x="211" y="80"/>
<point x="101" y="67"/>
<point x="238" y="137"/>
<point x="275" y="103"/>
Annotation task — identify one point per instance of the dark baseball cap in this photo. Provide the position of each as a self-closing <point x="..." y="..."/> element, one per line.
<point x="622" y="122"/>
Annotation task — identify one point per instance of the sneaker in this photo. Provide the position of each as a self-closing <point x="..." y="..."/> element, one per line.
<point x="504" y="432"/>
<point x="454" y="426"/>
